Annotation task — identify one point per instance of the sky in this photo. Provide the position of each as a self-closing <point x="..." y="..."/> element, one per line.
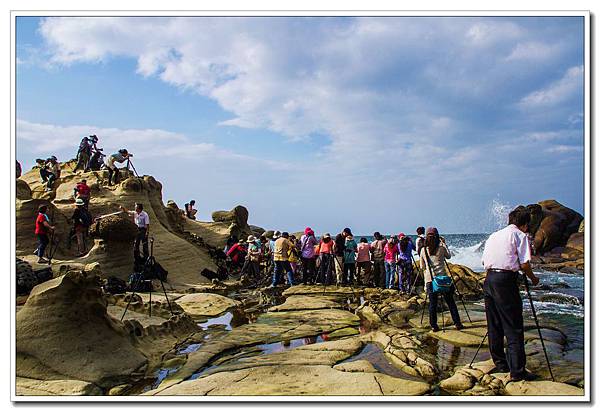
<point x="373" y="123"/>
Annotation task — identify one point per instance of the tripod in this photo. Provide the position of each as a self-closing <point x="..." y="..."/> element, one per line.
<point x="537" y="325"/>
<point x="458" y="291"/>
<point x="148" y="266"/>
<point x="130" y="164"/>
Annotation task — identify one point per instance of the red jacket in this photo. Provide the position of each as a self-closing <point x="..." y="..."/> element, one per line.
<point x="83" y="190"/>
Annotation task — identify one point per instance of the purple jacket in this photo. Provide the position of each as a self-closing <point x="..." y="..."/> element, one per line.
<point x="307" y="246"/>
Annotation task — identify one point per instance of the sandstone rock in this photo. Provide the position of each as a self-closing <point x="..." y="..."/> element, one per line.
<point x="23" y="190"/>
<point x="356" y="366"/>
<point x="542" y="388"/>
<point x="80" y="340"/>
<point x="36" y="387"/>
<point x="118" y="228"/>
<point x="552" y="224"/>
<point x="304" y="302"/>
<point x="206" y="304"/>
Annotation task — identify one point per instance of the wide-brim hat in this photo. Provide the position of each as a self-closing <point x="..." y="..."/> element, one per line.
<point x="277" y="234"/>
<point x="251" y="239"/>
<point x="79" y="202"/>
<point x="401" y="235"/>
<point x="326" y="235"/>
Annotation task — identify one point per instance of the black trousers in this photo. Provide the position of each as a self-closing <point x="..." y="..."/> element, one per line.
<point x="433" y="304"/>
<point x="308" y="269"/>
<point x="326" y="268"/>
<point x="116" y="174"/>
<point x="504" y="313"/>
<point x="379" y="273"/>
<point x="349" y="274"/>
<point x="141" y="237"/>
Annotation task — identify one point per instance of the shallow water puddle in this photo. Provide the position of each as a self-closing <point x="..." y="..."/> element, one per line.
<point x="375" y="355"/>
<point x="285" y="345"/>
<point x="224" y="319"/>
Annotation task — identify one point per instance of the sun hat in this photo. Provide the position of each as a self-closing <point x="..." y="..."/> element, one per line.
<point x="276" y="234"/>
<point x="251" y="239"/>
<point x="79" y="202"/>
<point x="401" y="235"/>
<point x="326" y="235"/>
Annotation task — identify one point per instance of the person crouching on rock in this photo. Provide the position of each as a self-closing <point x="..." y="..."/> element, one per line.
<point x="142" y="221"/>
<point x="81" y="222"/>
<point x="237" y="254"/>
<point x="119" y="157"/>
<point x="506" y="252"/>
<point x="42" y="229"/>
<point x="82" y="191"/>
<point x="308" y="241"/>
<point x="433" y="262"/>
<point x="281" y="260"/>
<point x="326" y="270"/>
<point x="190" y="212"/>
<point x="52" y="172"/>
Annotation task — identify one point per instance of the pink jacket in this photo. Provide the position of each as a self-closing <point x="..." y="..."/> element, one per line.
<point x="391" y="252"/>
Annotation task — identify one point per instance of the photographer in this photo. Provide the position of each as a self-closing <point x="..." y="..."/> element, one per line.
<point x="81" y="222"/>
<point x="119" y="157"/>
<point x="82" y="191"/>
<point x="142" y="221"/>
<point x="42" y="228"/>
<point x="506" y="252"/>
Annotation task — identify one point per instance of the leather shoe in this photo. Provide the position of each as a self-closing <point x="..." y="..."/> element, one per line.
<point x="527" y="376"/>
<point x="500" y="369"/>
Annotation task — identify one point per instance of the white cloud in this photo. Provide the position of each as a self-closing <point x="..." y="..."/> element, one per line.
<point x="557" y="92"/>
<point x="534" y="50"/>
<point x="564" y="149"/>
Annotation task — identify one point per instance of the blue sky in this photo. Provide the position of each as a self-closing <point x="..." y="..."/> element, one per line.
<point x="372" y="123"/>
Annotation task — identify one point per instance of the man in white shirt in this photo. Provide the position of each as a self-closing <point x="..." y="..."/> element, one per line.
<point x="507" y="252"/>
<point x="142" y="221"/>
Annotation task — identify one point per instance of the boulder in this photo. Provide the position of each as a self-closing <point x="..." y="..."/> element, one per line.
<point x="238" y="214"/>
<point x="206" y="304"/>
<point x="80" y="340"/>
<point x="552" y="224"/>
<point x="23" y="190"/>
<point x="116" y="228"/>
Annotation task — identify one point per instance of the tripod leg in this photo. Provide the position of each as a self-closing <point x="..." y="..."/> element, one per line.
<point x="424" y="306"/>
<point x="537" y="325"/>
<point x="135" y="285"/>
<point x="443" y="318"/>
<point x="165" y="292"/>
<point x="458" y="292"/>
<point x="477" y="351"/>
<point x="150" y="301"/>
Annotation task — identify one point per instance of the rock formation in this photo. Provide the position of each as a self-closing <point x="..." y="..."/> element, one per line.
<point x="551" y="225"/>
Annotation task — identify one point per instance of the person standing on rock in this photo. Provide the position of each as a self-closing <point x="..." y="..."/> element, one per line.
<point x="507" y="252"/>
<point x="350" y="248"/>
<point x="82" y="191"/>
<point x="326" y="246"/>
<point x="42" y="229"/>
<point x="391" y="256"/>
<point x="363" y="263"/>
<point x="433" y="262"/>
<point x="378" y="257"/>
<point x="308" y="241"/>
<point x="281" y="259"/>
<point x="119" y="157"/>
<point x="340" y="244"/>
<point x="142" y="221"/>
<point x="81" y="222"/>
<point x="420" y="239"/>
<point x="405" y="266"/>
<point x="253" y="257"/>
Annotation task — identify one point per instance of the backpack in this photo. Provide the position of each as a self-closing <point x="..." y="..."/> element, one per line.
<point x="441" y="283"/>
<point x="115" y="286"/>
<point x="86" y="218"/>
<point x="137" y="283"/>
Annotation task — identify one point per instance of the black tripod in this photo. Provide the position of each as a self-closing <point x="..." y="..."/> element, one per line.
<point x="148" y="270"/>
<point x="537" y="325"/>
<point x="130" y="164"/>
<point x="458" y="291"/>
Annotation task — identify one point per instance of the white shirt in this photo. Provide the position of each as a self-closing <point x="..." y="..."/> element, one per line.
<point x="506" y="249"/>
<point x="141" y="219"/>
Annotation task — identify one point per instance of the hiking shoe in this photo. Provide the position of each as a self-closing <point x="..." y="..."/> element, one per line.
<point x="435" y="328"/>
<point x="459" y="326"/>
<point x="499" y="369"/>
<point x="527" y="376"/>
